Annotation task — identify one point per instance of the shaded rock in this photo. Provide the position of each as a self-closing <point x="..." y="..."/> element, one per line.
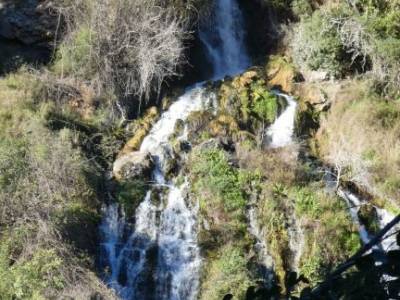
<point x="133" y="165"/>
<point x="169" y="162"/>
<point x="31" y="22"/>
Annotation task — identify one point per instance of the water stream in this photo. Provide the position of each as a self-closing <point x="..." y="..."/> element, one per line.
<point x="159" y="257"/>
<point x="280" y="133"/>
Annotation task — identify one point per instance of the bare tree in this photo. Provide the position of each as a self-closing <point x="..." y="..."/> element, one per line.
<point x="132" y="45"/>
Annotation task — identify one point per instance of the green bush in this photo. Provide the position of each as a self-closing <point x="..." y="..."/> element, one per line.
<point x="74" y="58"/>
<point x="264" y="103"/>
<point x="302" y="8"/>
<point x="317" y="46"/>
<point x="215" y="174"/>
<point x="227" y="273"/>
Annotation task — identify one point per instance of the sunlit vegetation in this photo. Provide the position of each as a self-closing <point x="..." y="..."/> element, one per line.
<point x="360" y="137"/>
<point x="223" y="192"/>
<point x="48" y="194"/>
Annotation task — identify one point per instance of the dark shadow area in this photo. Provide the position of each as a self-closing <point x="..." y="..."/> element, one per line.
<point x="262" y="29"/>
<point x="14" y="54"/>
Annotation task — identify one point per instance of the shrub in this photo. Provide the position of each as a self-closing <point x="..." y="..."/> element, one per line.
<point x="227" y="273"/>
<point x="327" y="228"/>
<point x="360" y="138"/>
<point x="302" y="8"/>
<point x="47" y="196"/>
<point x="127" y="47"/>
<point x="317" y="46"/>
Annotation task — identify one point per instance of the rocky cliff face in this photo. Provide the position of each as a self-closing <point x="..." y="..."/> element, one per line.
<point x="31" y="22"/>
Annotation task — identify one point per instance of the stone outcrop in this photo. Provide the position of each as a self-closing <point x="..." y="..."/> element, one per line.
<point x="31" y="22"/>
<point x="135" y="165"/>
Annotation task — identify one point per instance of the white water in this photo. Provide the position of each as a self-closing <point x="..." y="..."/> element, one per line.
<point x="159" y="258"/>
<point x="280" y="133"/>
<point x="224" y="39"/>
<point x="353" y="203"/>
<point x="384" y="218"/>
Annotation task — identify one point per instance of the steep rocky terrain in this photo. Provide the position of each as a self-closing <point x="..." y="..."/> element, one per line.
<point x="120" y="179"/>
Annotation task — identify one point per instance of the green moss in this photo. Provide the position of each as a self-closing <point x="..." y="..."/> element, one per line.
<point x="265" y="105"/>
<point x="249" y="102"/>
<point x="130" y="194"/>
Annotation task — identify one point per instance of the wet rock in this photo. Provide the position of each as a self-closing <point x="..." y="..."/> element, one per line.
<point x="140" y="128"/>
<point x="185" y="146"/>
<point x="133" y="165"/>
<point x="169" y="162"/>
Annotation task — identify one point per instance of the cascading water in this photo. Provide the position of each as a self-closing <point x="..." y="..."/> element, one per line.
<point x="159" y="258"/>
<point x="224" y="40"/>
<point x="280" y="133"/>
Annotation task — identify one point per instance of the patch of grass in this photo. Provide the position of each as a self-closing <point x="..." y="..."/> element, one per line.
<point x="361" y="135"/>
<point x="227" y="273"/>
<point x="330" y="236"/>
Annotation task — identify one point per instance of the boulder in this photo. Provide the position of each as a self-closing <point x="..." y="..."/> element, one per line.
<point x="30" y="21"/>
<point x="133" y="165"/>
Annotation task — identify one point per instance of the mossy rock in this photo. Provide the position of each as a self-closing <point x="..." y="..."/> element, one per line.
<point x="223" y="125"/>
<point x="197" y="123"/>
<point x="140" y="128"/>
<point x="281" y="73"/>
<point x="248" y="100"/>
<point x="130" y="194"/>
<point x="307" y="119"/>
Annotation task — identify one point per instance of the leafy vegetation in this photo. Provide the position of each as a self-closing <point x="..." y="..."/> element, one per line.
<point x="223" y="192"/>
<point x="360" y="137"/>
<point x="351" y="37"/>
<point x="46" y="185"/>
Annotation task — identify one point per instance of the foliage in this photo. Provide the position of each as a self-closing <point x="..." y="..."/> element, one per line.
<point x="248" y="101"/>
<point x="317" y="46"/>
<point x="328" y="243"/>
<point x="351" y="37"/>
<point x="227" y="273"/>
<point x="125" y="47"/>
<point x="302" y="8"/>
<point x="360" y="138"/>
<point x="223" y="192"/>
<point x="264" y="104"/>
<point x="48" y="189"/>
<point x="130" y="194"/>
<point x="214" y="172"/>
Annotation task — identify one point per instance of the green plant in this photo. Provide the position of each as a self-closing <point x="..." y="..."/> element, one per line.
<point x="130" y="194"/>
<point x="227" y="273"/>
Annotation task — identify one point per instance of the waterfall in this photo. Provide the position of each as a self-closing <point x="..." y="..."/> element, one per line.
<point x="280" y="133"/>
<point x="224" y="40"/>
<point x="159" y="257"/>
<point x="354" y="203"/>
